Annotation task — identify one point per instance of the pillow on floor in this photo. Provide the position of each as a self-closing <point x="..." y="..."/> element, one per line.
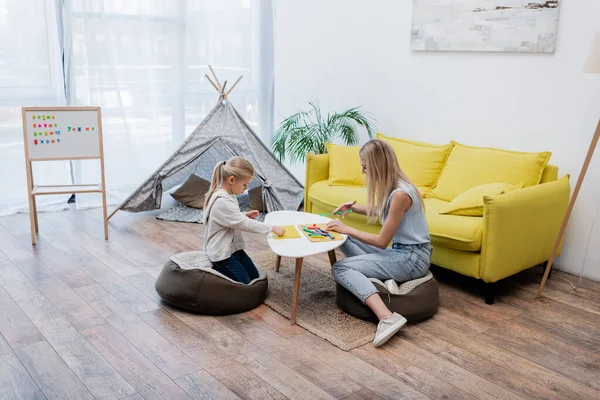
<point x="470" y="203"/>
<point x="256" y="200"/>
<point x="192" y="192"/>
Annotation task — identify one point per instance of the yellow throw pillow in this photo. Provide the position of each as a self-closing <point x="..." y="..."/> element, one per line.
<point x="470" y="203"/>
<point x="344" y="165"/>
<point x="421" y="162"/>
<point x="469" y="166"/>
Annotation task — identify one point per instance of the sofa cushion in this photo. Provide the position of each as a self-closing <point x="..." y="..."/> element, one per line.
<point x="470" y="203"/>
<point x="344" y="165"/>
<point x="452" y="231"/>
<point x="469" y="166"/>
<point x="329" y="197"/>
<point x="421" y="162"/>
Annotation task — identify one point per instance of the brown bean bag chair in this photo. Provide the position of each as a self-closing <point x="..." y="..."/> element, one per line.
<point x="416" y="300"/>
<point x="187" y="281"/>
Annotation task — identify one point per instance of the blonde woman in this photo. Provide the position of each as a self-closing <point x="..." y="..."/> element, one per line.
<point x="224" y="222"/>
<point x="397" y="203"/>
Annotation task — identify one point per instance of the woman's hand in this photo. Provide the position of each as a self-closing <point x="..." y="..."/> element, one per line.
<point x="347" y="206"/>
<point x="337" y="226"/>
<point x="279" y="231"/>
<point x="252" y="214"/>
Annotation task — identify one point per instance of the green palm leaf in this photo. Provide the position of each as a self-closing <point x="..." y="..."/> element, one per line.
<point x="308" y="131"/>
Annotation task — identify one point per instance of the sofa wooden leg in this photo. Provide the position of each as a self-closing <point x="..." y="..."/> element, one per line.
<point x="489" y="292"/>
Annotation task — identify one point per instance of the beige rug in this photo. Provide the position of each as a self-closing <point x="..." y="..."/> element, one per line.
<point x="317" y="311"/>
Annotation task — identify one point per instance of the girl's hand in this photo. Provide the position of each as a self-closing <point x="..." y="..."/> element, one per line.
<point x="345" y="207"/>
<point x="279" y="231"/>
<point x="337" y="226"/>
<point x="252" y="214"/>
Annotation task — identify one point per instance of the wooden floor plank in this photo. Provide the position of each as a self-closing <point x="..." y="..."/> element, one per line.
<point x="87" y="364"/>
<point x="272" y="371"/>
<point x="275" y="321"/>
<point x="355" y="368"/>
<point x="202" y="385"/>
<point x="415" y="377"/>
<point x="139" y="371"/>
<point x="160" y="351"/>
<point x="237" y="378"/>
<point x="93" y="246"/>
<point x="502" y="377"/>
<point x="545" y="350"/>
<point x="303" y="363"/>
<point x="448" y="372"/>
<point x="15" y="326"/>
<point x="15" y="381"/>
<point x="75" y="310"/>
<point x="51" y="373"/>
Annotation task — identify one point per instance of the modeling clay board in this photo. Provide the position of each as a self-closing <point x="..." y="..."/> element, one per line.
<point x="314" y="230"/>
<point x="290" y="233"/>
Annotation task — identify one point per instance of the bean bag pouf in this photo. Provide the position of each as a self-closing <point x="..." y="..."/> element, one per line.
<point x="187" y="281"/>
<point x="416" y="300"/>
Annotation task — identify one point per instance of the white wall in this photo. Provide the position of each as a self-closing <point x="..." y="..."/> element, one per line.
<point x="345" y="53"/>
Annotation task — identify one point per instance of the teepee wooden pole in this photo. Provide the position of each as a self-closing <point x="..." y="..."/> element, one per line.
<point x="231" y="88"/>
<point x="215" y="75"/>
<point x="223" y="89"/>
<point x="212" y="83"/>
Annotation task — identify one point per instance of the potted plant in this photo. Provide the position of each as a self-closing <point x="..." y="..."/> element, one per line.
<point x="308" y="131"/>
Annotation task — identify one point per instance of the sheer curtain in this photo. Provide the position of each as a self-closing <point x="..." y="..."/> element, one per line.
<point x="30" y="75"/>
<point x="143" y="62"/>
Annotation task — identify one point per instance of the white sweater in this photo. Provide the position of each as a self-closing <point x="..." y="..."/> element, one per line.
<point x="224" y="224"/>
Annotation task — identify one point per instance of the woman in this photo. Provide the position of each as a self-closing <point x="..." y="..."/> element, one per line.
<point x="397" y="203"/>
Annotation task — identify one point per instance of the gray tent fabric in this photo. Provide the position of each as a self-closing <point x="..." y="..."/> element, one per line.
<point x="221" y="135"/>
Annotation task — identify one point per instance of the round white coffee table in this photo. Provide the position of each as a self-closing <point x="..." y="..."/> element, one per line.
<point x="299" y="248"/>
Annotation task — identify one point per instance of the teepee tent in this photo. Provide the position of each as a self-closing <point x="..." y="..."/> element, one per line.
<point x="221" y="135"/>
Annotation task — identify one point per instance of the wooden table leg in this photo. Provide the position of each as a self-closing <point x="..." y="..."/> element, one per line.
<point x="296" y="293"/>
<point x="332" y="257"/>
<point x="277" y="263"/>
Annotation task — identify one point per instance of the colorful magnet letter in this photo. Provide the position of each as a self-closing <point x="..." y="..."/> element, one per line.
<point x="45" y="133"/>
<point x="39" y="117"/>
<point x="34" y="117"/>
<point x="44" y="117"/>
<point x="47" y="141"/>
<point x="53" y="117"/>
<point x="78" y="129"/>
<point x="52" y="133"/>
<point x="35" y="142"/>
<point x="45" y="125"/>
<point x="92" y="128"/>
<point x="55" y="125"/>
<point x="68" y="129"/>
<point x="52" y="140"/>
<point x="87" y="129"/>
<point x="58" y="140"/>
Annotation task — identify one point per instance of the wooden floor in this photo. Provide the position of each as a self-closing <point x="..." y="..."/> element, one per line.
<point x="79" y="319"/>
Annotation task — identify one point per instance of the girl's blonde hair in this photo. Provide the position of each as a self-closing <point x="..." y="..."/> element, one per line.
<point x="383" y="173"/>
<point x="237" y="167"/>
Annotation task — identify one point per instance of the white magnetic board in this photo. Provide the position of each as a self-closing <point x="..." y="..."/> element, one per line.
<point x="62" y="133"/>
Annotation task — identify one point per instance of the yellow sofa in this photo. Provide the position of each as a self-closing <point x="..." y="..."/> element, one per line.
<point x="516" y="228"/>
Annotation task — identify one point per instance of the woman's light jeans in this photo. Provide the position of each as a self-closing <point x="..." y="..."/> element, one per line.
<point x="401" y="263"/>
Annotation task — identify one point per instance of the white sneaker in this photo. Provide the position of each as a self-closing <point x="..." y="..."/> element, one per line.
<point x="388" y="328"/>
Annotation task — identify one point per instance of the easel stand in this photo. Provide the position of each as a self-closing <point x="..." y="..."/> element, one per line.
<point x="561" y="232"/>
<point x="64" y="133"/>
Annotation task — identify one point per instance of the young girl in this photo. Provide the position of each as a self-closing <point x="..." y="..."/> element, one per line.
<point x="223" y="221"/>
<point x="398" y="204"/>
